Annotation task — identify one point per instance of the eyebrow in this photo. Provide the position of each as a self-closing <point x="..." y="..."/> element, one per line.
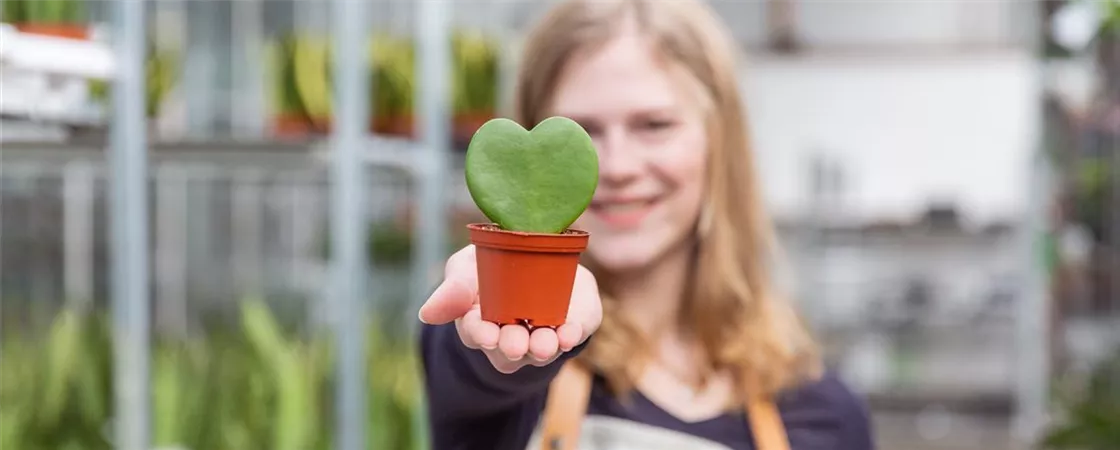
<point x="663" y="109"/>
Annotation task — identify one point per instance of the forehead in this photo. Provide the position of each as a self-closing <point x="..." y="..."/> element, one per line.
<point x="622" y="76"/>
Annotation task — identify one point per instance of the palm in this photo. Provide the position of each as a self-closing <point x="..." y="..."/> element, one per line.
<point x="506" y="346"/>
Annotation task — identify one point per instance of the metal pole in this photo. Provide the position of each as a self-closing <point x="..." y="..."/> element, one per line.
<point x="432" y="91"/>
<point x="77" y="221"/>
<point x="200" y="68"/>
<point x="129" y="222"/>
<point x="1032" y="325"/>
<point x="247" y="30"/>
<point x="171" y="210"/>
<point x="433" y="24"/>
<point x="351" y="119"/>
<point x="1112" y="143"/>
<point x="1033" y="336"/>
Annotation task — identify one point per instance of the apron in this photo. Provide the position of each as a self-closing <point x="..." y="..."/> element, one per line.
<point x="566" y="406"/>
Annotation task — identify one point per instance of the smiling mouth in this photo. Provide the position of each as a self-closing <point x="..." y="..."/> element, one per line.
<point x="623" y="214"/>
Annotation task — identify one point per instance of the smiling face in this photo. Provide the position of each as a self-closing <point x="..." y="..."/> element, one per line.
<point x="652" y="144"/>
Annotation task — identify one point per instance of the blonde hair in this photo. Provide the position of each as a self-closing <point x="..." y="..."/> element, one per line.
<point x="741" y="322"/>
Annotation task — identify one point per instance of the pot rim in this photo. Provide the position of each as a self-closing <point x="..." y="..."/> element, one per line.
<point x="490" y="235"/>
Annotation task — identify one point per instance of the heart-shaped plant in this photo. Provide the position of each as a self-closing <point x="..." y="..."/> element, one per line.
<point x="536" y="181"/>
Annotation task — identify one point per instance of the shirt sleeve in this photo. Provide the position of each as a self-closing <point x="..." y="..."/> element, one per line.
<point x="472" y="405"/>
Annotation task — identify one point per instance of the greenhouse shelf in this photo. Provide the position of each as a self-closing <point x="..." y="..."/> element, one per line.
<point x="391" y="152"/>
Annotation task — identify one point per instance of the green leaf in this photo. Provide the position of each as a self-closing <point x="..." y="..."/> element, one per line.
<point x="62" y="355"/>
<point x="294" y="423"/>
<point x="167" y="398"/>
<point x="1111" y="17"/>
<point x="261" y="330"/>
<point x="15" y="11"/>
<point x="1091" y="414"/>
<point x="12" y="425"/>
<point x="532" y="181"/>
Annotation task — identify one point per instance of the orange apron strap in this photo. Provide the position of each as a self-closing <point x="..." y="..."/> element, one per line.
<point x="766" y="424"/>
<point x="567" y="405"/>
<point x="565" y="408"/>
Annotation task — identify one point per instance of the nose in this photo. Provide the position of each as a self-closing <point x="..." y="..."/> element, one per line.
<point x="618" y="159"/>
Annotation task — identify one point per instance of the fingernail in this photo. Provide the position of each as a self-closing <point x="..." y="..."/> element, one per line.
<point x="420" y="316"/>
<point x="489" y="347"/>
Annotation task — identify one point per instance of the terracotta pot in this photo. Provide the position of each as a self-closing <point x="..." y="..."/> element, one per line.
<point x="466" y="124"/>
<point x="80" y="32"/>
<point x="291" y="125"/>
<point x="525" y="278"/>
<point x="394" y="125"/>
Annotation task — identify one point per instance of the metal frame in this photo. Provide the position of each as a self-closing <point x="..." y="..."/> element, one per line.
<point x="129" y="228"/>
<point x="1032" y="324"/>
<point x="347" y="217"/>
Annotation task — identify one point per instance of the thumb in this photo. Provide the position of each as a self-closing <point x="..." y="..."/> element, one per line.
<point x="451" y="300"/>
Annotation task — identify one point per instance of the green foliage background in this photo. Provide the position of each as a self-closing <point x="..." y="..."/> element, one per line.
<point x="257" y="385"/>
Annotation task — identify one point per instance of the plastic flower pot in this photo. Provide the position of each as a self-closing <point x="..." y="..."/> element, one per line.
<point x="291" y="126"/>
<point x="526" y="278"/>
<point x="532" y="185"/>
<point x="61" y="30"/>
<point x="464" y="125"/>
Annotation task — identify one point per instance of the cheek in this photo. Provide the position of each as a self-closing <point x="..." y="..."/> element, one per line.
<point x="686" y="171"/>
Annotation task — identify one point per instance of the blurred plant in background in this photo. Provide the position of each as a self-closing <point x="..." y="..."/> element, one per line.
<point x="1093" y="186"/>
<point x="257" y="385"/>
<point x="302" y="92"/>
<point x="161" y="68"/>
<point x="1112" y="18"/>
<point x="1091" y="413"/>
<point x="64" y="18"/>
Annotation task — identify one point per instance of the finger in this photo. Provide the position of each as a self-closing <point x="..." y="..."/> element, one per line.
<point x="481" y="333"/>
<point x="458" y="291"/>
<point x="513" y="342"/>
<point x="464" y="332"/>
<point x="462" y="266"/>
<point x="569" y="336"/>
<point x="451" y="300"/>
<point x="543" y="344"/>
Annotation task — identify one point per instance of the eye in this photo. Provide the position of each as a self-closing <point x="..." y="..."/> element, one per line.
<point x="655" y="124"/>
<point x="593" y="129"/>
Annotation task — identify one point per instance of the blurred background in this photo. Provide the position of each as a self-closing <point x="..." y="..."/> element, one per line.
<point x="943" y="173"/>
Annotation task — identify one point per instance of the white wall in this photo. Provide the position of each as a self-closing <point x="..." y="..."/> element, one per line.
<point x="908" y="128"/>
<point x="923" y="23"/>
<point x="825" y="24"/>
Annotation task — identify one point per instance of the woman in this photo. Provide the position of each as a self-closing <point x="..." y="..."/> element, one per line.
<point x="674" y="315"/>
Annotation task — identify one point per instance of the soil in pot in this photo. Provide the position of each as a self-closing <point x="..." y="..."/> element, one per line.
<point x="526" y="278"/>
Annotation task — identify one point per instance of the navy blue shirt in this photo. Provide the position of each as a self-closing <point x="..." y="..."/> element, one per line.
<point x="473" y="406"/>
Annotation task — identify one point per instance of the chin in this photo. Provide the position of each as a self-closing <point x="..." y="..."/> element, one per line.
<point x="618" y="261"/>
<point x="625" y="253"/>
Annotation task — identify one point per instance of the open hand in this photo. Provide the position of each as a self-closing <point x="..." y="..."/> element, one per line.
<point x="510" y="347"/>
